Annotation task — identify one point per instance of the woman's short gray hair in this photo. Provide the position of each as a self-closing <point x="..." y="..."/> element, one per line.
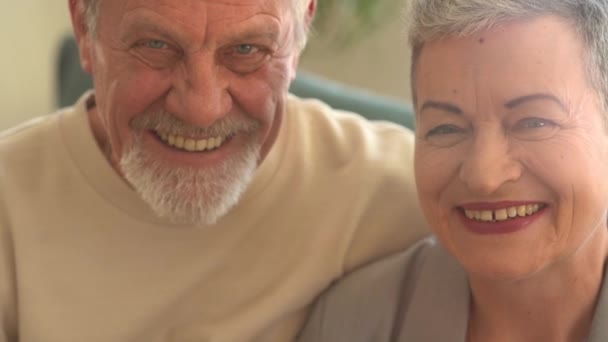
<point x="432" y="19"/>
<point x="299" y="8"/>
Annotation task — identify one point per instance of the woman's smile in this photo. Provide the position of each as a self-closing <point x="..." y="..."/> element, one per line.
<point x="500" y="217"/>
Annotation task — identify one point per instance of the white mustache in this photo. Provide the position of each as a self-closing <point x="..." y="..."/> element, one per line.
<point x="162" y="121"/>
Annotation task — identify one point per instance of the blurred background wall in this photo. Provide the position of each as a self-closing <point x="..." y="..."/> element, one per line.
<point x="30" y="32"/>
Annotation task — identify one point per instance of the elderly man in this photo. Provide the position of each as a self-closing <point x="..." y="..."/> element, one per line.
<point x="189" y="197"/>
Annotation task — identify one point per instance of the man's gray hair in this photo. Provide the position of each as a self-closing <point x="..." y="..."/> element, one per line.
<point x="90" y="8"/>
<point x="432" y="19"/>
<point x="298" y="7"/>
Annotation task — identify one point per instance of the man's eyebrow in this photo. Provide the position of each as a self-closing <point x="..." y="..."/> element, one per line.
<point x="146" y="25"/>
<point x="535" y="97"/>
<point x="448" y="107"/>
<point x="256" y="34"/>
<point x="268" y="34"/>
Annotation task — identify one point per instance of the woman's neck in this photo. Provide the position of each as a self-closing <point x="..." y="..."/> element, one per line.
<point x="556" y="304"/>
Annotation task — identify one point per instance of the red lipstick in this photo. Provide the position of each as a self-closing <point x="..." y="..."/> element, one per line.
<point x="510" y="225"/>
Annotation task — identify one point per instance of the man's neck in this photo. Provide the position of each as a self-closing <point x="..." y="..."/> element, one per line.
<point x="557" y="304"/>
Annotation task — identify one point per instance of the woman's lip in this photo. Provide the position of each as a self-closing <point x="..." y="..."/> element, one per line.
<point x="496" y="205"/>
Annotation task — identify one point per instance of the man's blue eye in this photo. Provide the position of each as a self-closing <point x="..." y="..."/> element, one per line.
<point x="156" y="44"/>
<point x="245" y="49"/>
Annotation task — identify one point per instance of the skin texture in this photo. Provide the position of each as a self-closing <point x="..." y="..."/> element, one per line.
<point x="482" y="138"/>
<point x="200" y="60"/>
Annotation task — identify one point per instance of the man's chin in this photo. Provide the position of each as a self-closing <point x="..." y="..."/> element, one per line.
<point x="185" y="195"/>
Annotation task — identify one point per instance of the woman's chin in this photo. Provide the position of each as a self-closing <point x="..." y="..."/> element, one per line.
<point x="501" y="272"/>
<point x="501" y="265"/>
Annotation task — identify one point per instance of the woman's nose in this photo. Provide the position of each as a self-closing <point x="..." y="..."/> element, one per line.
<point x="489" y="164"/>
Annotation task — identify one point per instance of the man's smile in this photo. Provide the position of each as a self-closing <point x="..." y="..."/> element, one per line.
<point x="192" y="144"/>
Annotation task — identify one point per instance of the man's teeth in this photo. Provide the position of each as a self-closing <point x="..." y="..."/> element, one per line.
<point x="504" y="213"/>
<point x="192" y="145"/>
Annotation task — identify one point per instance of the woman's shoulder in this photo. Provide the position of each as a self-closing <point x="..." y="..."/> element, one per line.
<point x="371" y="303"/>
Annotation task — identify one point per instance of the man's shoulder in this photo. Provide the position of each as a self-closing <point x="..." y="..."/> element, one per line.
<point x="30" y="137"/>
<point x="40" y="131"/>
<point x="33" y="126"/>
<point x="31" y="149"/>
<point x="27" y="151"/>
<point x="38" y="138"/>
<point x="316" y="111"/>
<point x="349" y="137"/>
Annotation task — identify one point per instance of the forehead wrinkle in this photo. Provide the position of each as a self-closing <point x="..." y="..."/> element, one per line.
<point x="260" y="22"/>
<point x="268" y="7"/>
<point x="146" y="24"/>
<point x="487" y="92"/>
<point x="178" y="15"/>
<point x="142" y="18"/>
<point x="253" y="28"/>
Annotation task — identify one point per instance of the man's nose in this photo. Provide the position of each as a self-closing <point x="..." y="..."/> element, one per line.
<point x="200" y="93"/>
<point x="489" y="164"/>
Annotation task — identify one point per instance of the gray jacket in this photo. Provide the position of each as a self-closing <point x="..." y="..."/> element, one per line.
<point x="421" y="295"/>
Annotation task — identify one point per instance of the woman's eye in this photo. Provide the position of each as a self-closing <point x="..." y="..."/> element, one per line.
<point x="533" y="123"/>
<point x="534" y="128"/>
<point x="446" y="135"/>
<point x="444" y="129"/>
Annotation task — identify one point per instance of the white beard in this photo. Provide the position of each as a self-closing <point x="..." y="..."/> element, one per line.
<point x="189" y="195"/>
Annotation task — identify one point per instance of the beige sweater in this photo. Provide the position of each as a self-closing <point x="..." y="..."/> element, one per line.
<point x="83" y="259"/>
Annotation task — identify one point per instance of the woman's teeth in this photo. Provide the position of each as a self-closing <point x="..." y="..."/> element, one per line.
<point x="503" y="213"/>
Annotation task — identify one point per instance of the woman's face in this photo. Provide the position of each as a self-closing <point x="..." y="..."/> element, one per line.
<point x="511" y="148"/>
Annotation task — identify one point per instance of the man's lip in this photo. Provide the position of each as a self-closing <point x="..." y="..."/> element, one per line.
<point x="179" y="157"/>
<point x="496" y="205"/>
<point x="193" y="137"/>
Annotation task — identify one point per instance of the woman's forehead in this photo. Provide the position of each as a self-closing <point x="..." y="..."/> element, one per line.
<point x="521" y="57"/>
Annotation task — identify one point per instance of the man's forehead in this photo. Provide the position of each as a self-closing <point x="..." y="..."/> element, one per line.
<point x="225" y="12"/>
<point x="260" y="4"/>
<point x="189" y="19"/>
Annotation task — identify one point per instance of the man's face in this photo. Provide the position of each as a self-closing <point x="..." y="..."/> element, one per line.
<point x="189" y="94"/>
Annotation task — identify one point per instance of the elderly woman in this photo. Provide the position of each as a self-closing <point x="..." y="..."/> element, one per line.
<point x="511" y="100"/>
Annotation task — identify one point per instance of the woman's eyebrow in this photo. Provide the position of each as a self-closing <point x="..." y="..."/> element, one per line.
<point x="444" y="106"/>
<point x="535" y="97"/>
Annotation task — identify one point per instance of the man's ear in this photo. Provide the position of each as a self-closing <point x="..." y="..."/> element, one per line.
<point x="310" y="12"/>
<point x="81" y="33"/>
<point x="309" y="17"/>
